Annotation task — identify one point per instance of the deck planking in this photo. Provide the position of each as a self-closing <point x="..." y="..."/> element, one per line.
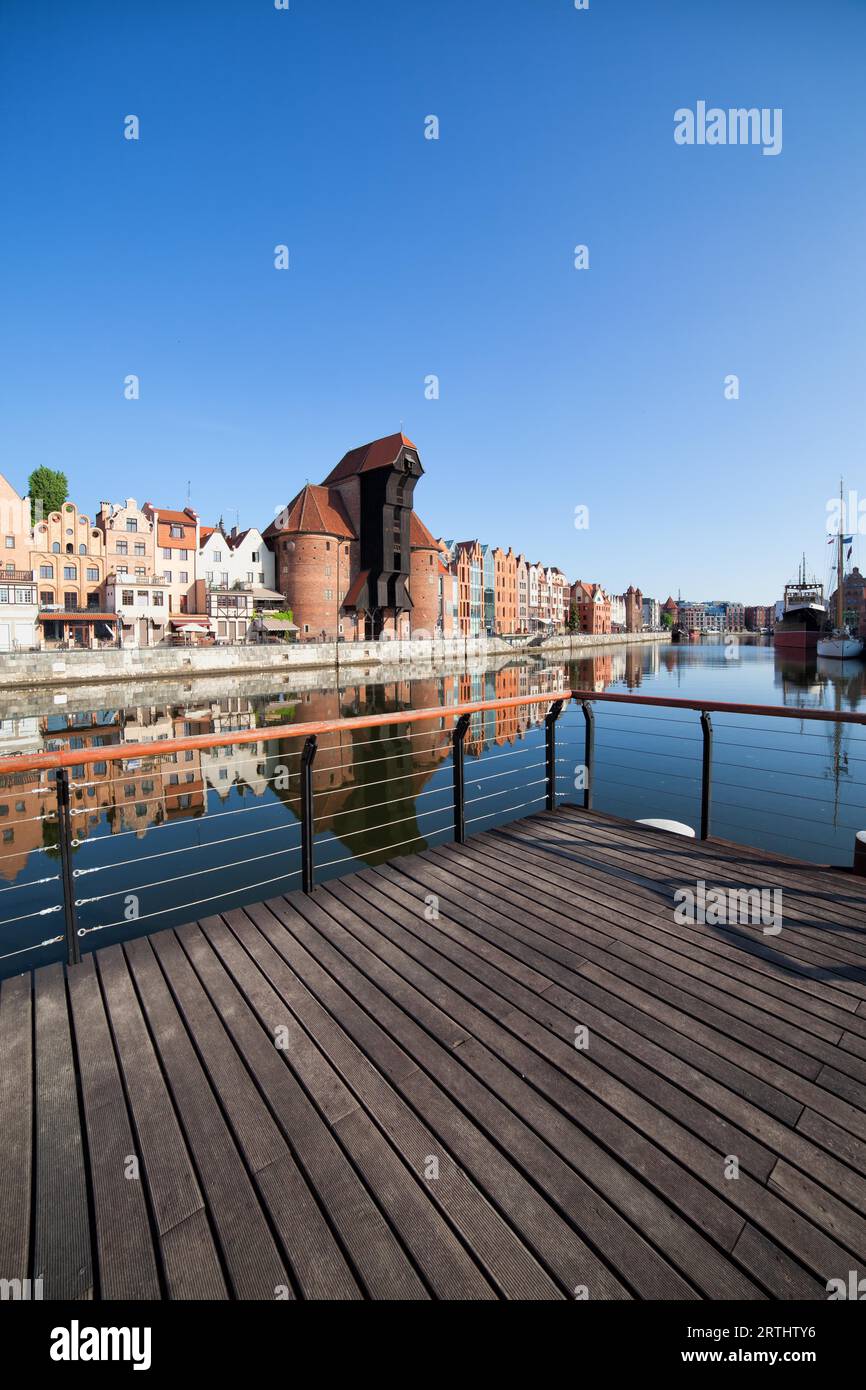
<point x="374" y="1091"/>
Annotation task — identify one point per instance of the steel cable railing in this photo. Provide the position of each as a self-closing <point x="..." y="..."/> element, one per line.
<point x="520" y="782"/>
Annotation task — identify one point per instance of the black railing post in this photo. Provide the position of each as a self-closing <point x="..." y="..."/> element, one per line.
<point x="457" y="739"/>
<point x="706" y="773"/>
<point x="550" y="751"/>
<point x="67" y="882"/>
<point x="308" y="829"/>
<point x="588" y="753"/>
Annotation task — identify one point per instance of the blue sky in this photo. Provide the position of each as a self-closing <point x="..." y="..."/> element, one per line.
<point x="409" y="257"/>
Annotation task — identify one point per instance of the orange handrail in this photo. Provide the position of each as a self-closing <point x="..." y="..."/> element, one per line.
<point x="120" y="752"/>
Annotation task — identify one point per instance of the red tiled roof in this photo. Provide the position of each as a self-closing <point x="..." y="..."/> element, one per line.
<point x="317" y="510"/>
<point x="235" y="541"/>
<point x="185" y="518"/>
<point x="378" y="454"/>
<point x="204" y="532"/>
<point x="354" y="591"/>
<point x="419" y="536"/>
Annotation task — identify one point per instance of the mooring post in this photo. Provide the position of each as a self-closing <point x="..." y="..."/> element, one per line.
<point x="308" y="829"/>
<point x="550" y="751"/>
<point x="64" y="817"/>
<point x="588" y="753"/>
<point x="706" y="773"/>
<point x="457" y="739"/>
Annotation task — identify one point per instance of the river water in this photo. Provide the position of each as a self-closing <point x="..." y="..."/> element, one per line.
<point x="159" y="842"/>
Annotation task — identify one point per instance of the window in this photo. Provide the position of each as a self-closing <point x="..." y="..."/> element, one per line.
<point x="121" y="569"/>
<point x="10" y="542"/>
<point x="183" y="554"/>
<point x="55" y="547"/>
<point x="249" y="576"/>
<point x="69" y="571"/>
<point x="141" y="595"/>
<point x="157" y="598"/>
<point x="82" y="550"/>
<point x="166" y="554"/>
<point x="209" y="576"/>
<point x="131" y="523"/>
<point x="92" y="574"/>
<point x="217" y="555"/>
<point x="122" y="548"/>
<point x="46" y="571"/>
<point x="166" y="574"/>
<point x="46" y="597"/>
<point x="224" y="579"/>
<point x="176" y="532"/>
<point x="183" y="577"/>
<point x="128" y="597"/>
<point x="255" y="557"/>
<point x="140" y="548"/>
<point x="140" y="573"/>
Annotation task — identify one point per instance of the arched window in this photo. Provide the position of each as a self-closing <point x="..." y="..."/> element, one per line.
<point x="55" y="547"/>
<point x="82" y="550"/>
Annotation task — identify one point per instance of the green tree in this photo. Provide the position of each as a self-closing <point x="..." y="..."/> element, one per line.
<point x="573" y="618"/>
<point x="667" y="619"/>
<point x="48" y="486"/>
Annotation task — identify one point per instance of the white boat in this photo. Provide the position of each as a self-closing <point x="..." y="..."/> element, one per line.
<point x="840" y="644"/>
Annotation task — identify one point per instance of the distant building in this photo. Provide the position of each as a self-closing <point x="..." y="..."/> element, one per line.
<point x="758" y="617"/>
<point x="352" y="558"/>
<point x="651" y="614"/>
<point x="617" y="612"/>
<point x="592" y="607"/>
<point x="853" y="596"/>
<point x="633" y="609"/>
<point x="670" y="607"/>
<point x="141" y="605"/>
<point x="177" y="546"/>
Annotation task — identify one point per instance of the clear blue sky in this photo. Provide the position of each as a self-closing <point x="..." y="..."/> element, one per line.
<point x="559" y="388"/>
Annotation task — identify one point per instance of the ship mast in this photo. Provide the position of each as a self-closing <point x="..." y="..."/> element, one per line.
<point x="839" y="562"/>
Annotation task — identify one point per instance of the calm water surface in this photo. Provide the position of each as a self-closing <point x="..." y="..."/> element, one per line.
<point x="163" y="841"/>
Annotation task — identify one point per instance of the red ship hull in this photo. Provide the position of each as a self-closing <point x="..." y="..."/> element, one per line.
<point x="796" y="639"/>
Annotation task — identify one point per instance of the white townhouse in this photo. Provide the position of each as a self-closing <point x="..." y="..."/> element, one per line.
<point x="237" y="558"/>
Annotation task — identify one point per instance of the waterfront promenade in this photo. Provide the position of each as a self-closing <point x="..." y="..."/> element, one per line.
<point x="497" y="1069"/>
<point x="386" y="660"/>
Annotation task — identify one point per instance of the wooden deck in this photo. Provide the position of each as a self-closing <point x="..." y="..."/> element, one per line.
<point x="350" y="1096"/>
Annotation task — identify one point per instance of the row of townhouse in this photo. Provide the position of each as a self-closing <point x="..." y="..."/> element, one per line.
<point x="130" y="576"/>
<point x="497" y="593"/>
<point x="347" y="559"/>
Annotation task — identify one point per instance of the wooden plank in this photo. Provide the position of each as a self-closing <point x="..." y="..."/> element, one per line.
<point x="631" y="1192"/>
<point x="62" y="1257"/>
<point x="191" y="1265"/>
<point x="378" y="1259"/>
<point x="597" y="1222"/>
<point x="509" y="1264"/>
<point x="125" y="1255"/>
<point x="315" y="1257"/>
<point x="252" y="1262"/>
<point x="16" y="1125"/>
<point x="543" y="1229"/>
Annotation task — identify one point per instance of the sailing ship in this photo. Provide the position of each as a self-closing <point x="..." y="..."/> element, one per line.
<point x="804" y="619"/>
<point x="840" y="644"/>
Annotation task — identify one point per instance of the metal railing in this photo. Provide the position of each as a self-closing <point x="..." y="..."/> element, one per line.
<point x="63" y="790"/>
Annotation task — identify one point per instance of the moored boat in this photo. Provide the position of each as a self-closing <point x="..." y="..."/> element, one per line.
<point x="840" y="644"/>
<point x="804" y="619"/>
